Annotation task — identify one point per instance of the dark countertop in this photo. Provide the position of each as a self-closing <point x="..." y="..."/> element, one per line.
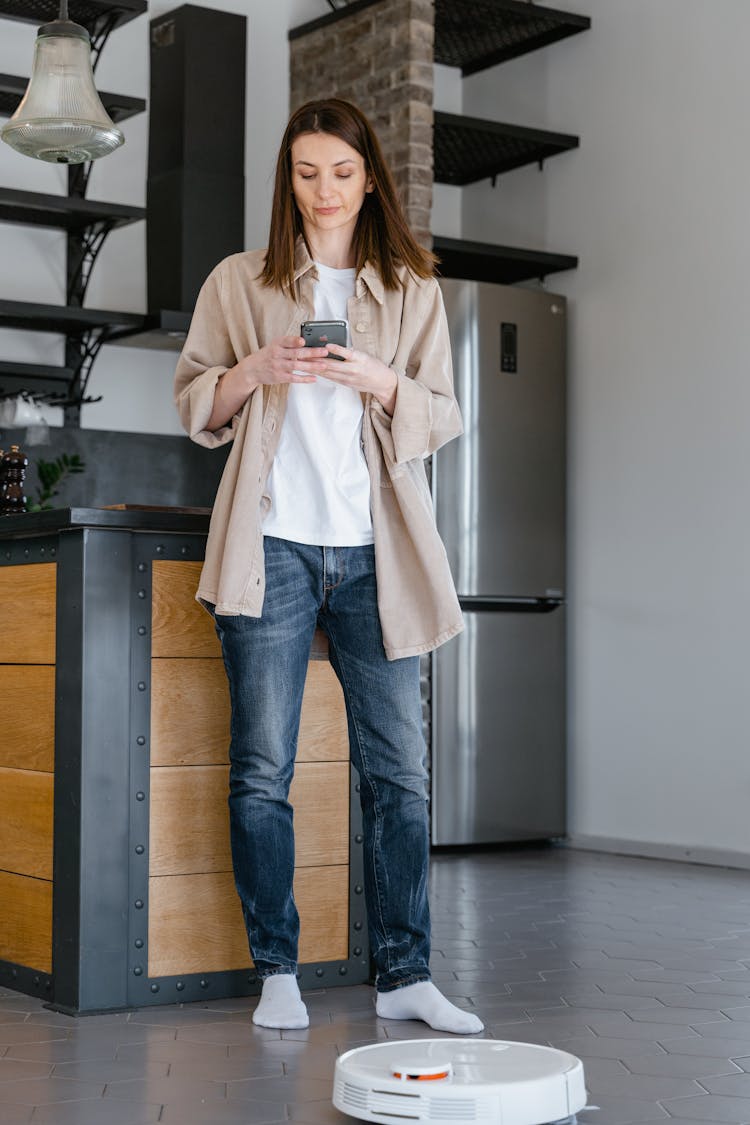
<point x="154" y="519"/>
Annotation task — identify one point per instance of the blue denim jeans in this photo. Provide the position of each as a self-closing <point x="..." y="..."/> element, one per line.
<point x="266" y="661"/>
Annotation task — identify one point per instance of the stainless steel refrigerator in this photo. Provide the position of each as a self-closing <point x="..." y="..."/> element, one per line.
<point x="498" y="689"/>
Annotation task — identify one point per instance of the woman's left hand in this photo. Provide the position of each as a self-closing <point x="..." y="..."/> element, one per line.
<point x="361" y="372"/>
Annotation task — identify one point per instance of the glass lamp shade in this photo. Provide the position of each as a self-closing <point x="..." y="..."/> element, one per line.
<point x="61" y="118"/>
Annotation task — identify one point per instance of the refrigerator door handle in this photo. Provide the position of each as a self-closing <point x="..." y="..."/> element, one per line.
<point x="510" y="605"/>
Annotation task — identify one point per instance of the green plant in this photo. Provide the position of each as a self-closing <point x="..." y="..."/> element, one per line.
<point x="51" y="474"/>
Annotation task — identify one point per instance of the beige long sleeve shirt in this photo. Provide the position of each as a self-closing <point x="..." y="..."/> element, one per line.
<point x="236" y="315"/>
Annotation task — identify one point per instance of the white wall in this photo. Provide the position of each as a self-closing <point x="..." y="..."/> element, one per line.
<point x="655" y="204"/>
<point x="136" y="383"/>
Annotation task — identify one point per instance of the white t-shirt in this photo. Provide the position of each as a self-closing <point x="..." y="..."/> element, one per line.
<point x="319" y="483"/>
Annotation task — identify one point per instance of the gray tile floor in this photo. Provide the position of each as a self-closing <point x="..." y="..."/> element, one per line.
<point x="641" y="968"/>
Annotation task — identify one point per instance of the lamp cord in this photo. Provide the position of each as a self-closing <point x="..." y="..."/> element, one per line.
<point x="63" y="10"/>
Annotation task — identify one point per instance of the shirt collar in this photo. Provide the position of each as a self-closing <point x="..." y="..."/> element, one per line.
<point x="367" y="276"/>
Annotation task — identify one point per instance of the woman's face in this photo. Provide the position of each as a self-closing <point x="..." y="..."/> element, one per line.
<point x="329" y="181"/>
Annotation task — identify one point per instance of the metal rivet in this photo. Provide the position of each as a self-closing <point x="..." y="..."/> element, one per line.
<point x="52" y="551"/>
<point x="140" y="795"/>
<point x="154" y="987"/>
<point x="141" y="593"/>
<point x="48" y="984"/>
<point x="139" y="904"/>
<point x="342" y="970"/>
<point x="141" y="740"/>
<point x="37" y="981"/>
<point x="357" y="788"/>
<point x="358" y="838"/>
<point x="139" y="850"/>
<point x="358" y="889"/>
<point x="138" y="943"/>
<point x="141" y="630"/>
<point x="318" y="972"/>
<point x="357" y="925"/>
<point x="180" y="985"/>
<point x="41" y="550"/>
<point x="204" y="983"/>
<point x="141" y="685"/>
<point x="138" y="971"/>
<point x="141" y="567"/>
<point x="14" y="974"/>
<point x="160" y="550"/>
<point x="184" y="550"/>
<point x="357" y="950"/>
<point x="7" y="554"/>
<point x="27" y="552"/>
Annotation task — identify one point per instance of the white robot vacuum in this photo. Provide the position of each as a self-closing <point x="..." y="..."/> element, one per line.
<point x="459" y="1082"/>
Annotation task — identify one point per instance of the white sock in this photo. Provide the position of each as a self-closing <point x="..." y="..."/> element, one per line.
<point x="422" y="1001"/>
<point x="281" y="1004"/>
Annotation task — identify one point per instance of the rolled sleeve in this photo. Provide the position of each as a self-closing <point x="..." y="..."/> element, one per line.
<point x="206" y="356"/>
<point x="426" y="414"/>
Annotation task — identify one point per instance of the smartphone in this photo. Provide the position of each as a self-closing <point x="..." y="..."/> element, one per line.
<point x="318" y="333"/>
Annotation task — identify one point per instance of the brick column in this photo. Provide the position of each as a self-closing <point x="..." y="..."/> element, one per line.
<point x="381" y="58"/>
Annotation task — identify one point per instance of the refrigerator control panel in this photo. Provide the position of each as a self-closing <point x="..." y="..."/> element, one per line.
<point x="509" y="347"/>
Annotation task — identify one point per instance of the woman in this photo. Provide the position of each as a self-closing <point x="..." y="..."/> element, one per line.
<point x="324" y="517"/>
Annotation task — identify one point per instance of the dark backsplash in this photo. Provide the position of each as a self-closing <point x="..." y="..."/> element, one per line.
<point x="124" y="468"/>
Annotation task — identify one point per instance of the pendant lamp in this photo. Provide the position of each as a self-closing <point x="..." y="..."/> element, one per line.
<point x="61" y="118"/>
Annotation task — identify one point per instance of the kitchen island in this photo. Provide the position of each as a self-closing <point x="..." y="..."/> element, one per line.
<point x="116" y="887"/>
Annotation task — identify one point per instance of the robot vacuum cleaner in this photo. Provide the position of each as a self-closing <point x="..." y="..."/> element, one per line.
<point x="459" y="1082"/>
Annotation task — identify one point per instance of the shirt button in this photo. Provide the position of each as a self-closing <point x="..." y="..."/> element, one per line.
<point x="361" y="326"/>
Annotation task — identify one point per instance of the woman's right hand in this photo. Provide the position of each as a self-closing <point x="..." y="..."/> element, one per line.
<point x="285" y="360"/>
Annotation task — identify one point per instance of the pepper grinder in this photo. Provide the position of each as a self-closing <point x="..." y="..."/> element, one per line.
<point x="12" y="490"/>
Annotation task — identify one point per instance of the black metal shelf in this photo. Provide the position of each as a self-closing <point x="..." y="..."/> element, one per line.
<point x="66" y="319"/>
<point x="162" y="331"/>
<point x="70" y="213"/>
<point x="506" y="265"/>
<point x="118" y="106"/>
<point x="94" y="15"/>
<point x="476" y="34"/>
<point x="86" y="223"/>
<point x="467" y="149"/>
<point x="46" y="380"/>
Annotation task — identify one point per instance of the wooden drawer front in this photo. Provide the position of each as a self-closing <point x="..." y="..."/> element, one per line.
<point x="190" y="714"/>
<point x="27" y="723"/>
<point x="195" y="921"/>
<point x="323" y="733"/>
<point x="26" y="807"/>
<point x="26" y="921"/>
<point x="180" y="625"/>
<point x="27" y="613"/>
<point x="190" y="817"/>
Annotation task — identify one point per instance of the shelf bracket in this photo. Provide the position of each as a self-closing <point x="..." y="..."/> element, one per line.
<point x="78" y="178"/>
<point x="83" y="250"/>
<point x="80" y="354"/>
<point x="100" y="33"/>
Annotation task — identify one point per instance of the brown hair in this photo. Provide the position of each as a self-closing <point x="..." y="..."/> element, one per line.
<point x="382" y="235"/>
